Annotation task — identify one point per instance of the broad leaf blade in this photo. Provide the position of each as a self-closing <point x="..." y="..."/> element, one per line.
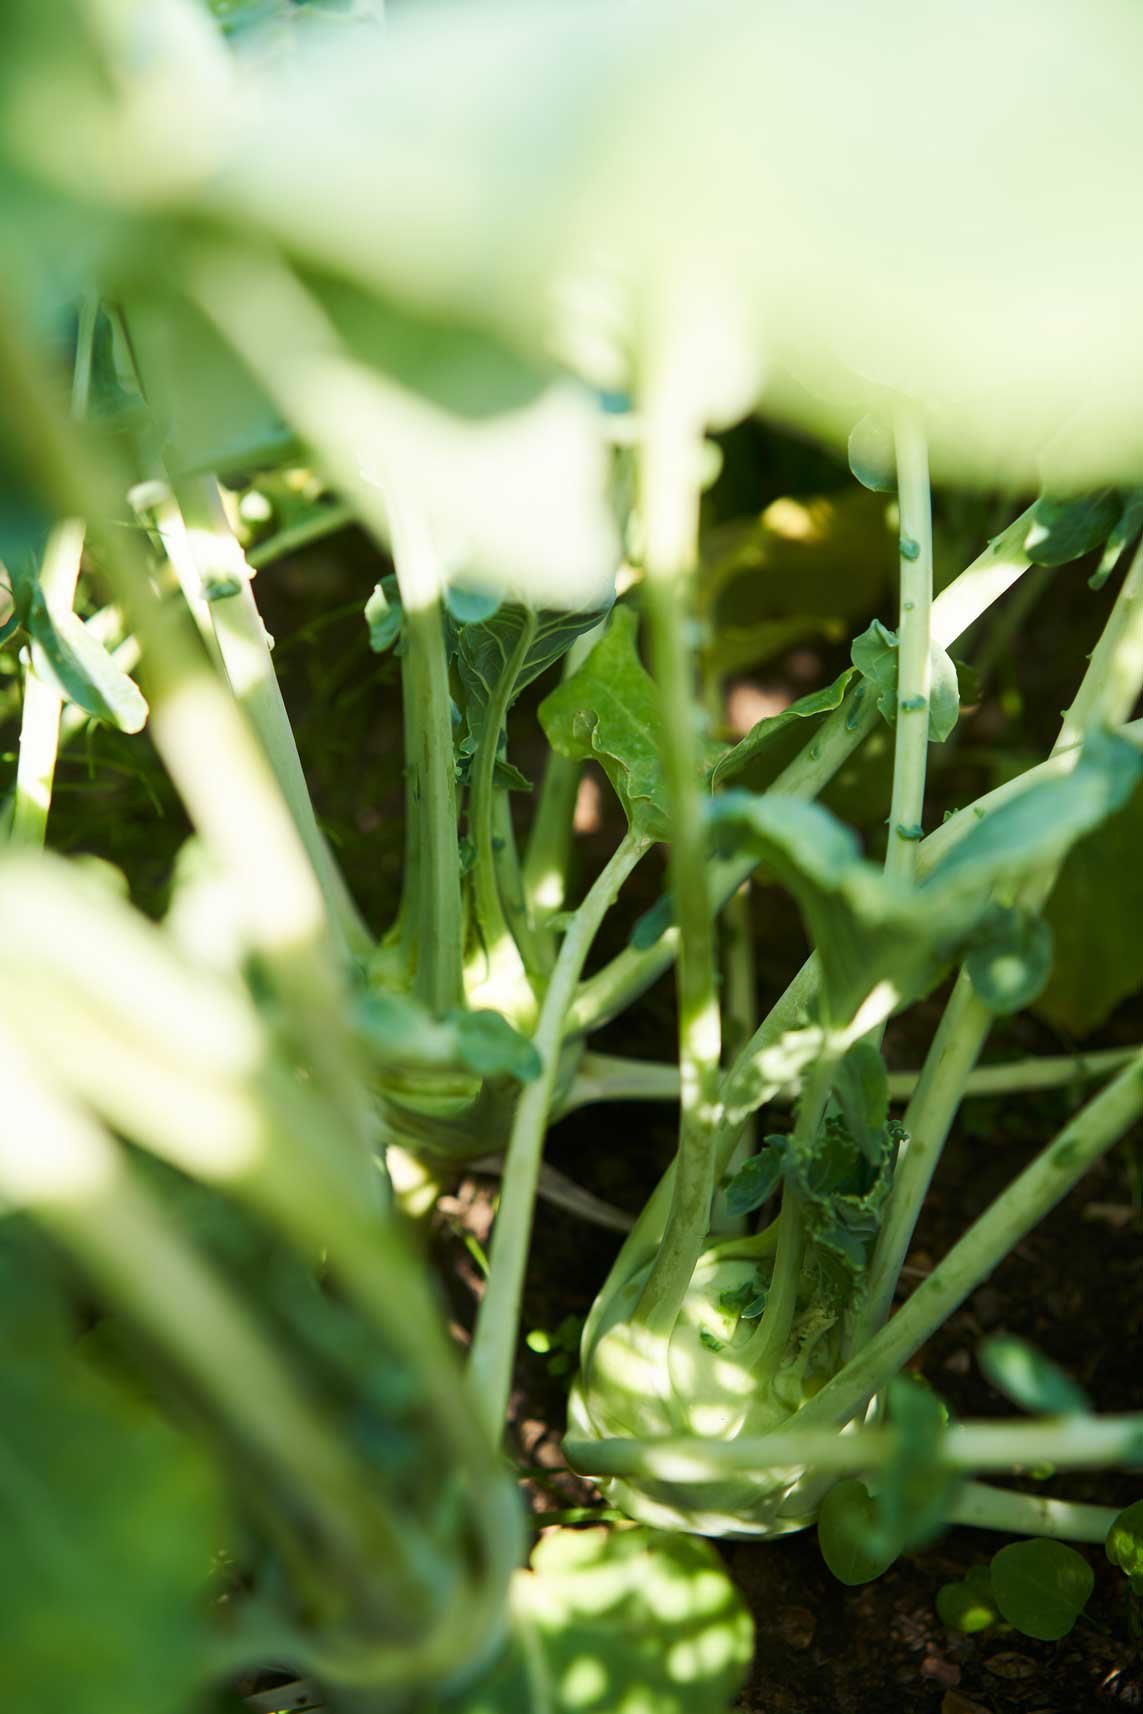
<point x="608" y="712"/>
<point x="66" y="655"/>
<point x="1061" y="530"/>
<point x="744" y="752"/>
<point x="485" y="651"/>
<point x="1030" y="1379"/>
<point x="110" y="1526"/>
<point x="1096" y="917"/>
<point x="1041" y="1587"/>
<point x="848" y="1536"/>
<point x="874" y="655"/>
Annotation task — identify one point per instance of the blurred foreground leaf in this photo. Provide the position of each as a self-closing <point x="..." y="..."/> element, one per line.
<point x="110" y="1524"/>
<point x="618" y="1622"/>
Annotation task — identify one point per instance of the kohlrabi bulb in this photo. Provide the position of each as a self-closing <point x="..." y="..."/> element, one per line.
<point x="715" y="1377"/>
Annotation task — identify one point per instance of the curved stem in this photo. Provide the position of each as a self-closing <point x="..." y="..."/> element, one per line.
<point x="961" y="1034"/>
<point x="429" y="758"/>
<point x="548" y="852"/>
<point x="324" y="521"/>
<point x="914" y="659"/>
<point x="604" y="1077"/>
<point x="534" y="951"/>
<point x="670" y="504"/>
<point x="768" y="1340"/>
<point x="497" y="1322"/>
<point x="501" y="948"/>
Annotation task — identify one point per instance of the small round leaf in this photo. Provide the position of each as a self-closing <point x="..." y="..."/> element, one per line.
<point x="847" y="1534"/>
<point x="1125" y="1541"/>
<point x="1028" y="1378"/>
<point x="1041" y="1587"/>
<point x="968" y="1605"/>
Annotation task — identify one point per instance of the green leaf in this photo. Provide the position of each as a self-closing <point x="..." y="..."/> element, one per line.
<point x="1010" y="959"/>
<point x="1040" y="826"/>
<point x="36" y="1317"/>
<point x="384" y="615"/>
<point x="1061" y="530"/>
<point x="436" y="410"/>
<point x="1124" y="1545"/>
<point x="754" y="1182"/>
<point x="649" y="928"/>
<point x="608" y="711"/>
<point x="401" y="1035"/>
<point x="1129" y="525"/>
<point x="1096" y="917"/>
<point x="917" y="1489"/>
<point x="1041" y="1587"/>
<point x="861" y="1086"/>
<point x="66" y="656"/>
<point x="867" y="928"/>
<point x="620" y="1621"/>
<point x="848" y="1535"/>
<point x="873" y="455"/>
<point x="1028" y="1378"/>
<point x="25" y="515"/>
<point x="471" y="606"/>
<point x="489" y="1045"/>
<point x="111" y="1523"/>
<point x="485" y="652"/>
<point x="806" y="567"/>
<point x="968" y="1605"/>
<point x="744" y="752"/>
<point x="874" y="654"/>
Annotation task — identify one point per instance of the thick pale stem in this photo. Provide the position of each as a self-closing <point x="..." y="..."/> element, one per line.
<point x="510" y="880"/>
<point x="980" y="1506"/>
<point x="936" y="1101"/>
<point x="603" y="1077"/>
<point x="1031" y="1196"/>
<point x="914" y="659"/>
<point x="501" y="949"/>
<point x="429" y="758"/>
<point x="768" y="1340"/>
<point x="1110" y="686"/>
<point x="548" y="853"/>
<point x="1077" y="1443"/>
<point x="670" y="501"/>
<point x="497" y="1322"/>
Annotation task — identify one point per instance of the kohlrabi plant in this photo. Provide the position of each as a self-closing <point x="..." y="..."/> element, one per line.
<point x="479" y="282"/>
